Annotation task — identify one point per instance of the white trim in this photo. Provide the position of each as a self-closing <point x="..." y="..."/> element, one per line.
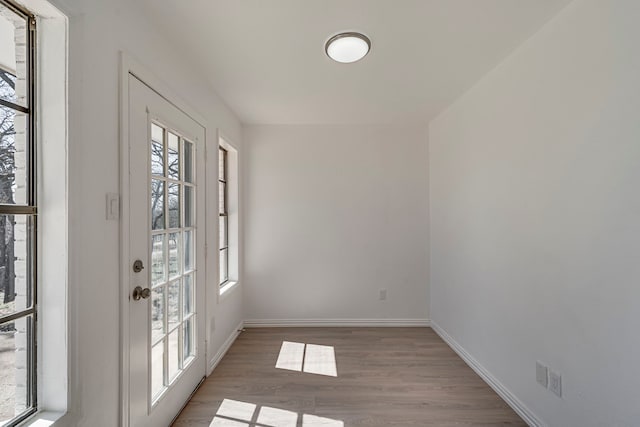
<point x="129" y="65"/>
<point x="525" y="413"/>
<point x="42" y="419"/>
<point x="226" y="290"/>
<point x="295" y="323"/>
<point x="224" y="348"/>
<point x="56" y="299"/>
<point x="124" y="240"/>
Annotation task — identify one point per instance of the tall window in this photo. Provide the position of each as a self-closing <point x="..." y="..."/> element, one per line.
<point x="17" y="215"/>
<point x="223" y="213"/>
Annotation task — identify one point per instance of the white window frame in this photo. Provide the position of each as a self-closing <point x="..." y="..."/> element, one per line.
<point x="26" y="340"/>
<point x="232" y="185"/>
<point x="53" y="335"/>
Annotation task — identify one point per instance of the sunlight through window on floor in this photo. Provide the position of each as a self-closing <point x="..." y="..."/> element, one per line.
<point x="315" y="421"/>
<point x="310" y="358"/>
<point x="225" y="422"/>
<point x="277" y="417"/>
<point x="291" y="356"/>
<point x="233" y="413"/>
<point x="235" y="409"/>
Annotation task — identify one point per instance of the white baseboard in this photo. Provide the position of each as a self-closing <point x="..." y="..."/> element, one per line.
<point x="299" y="323"/>
<point x="524" y="412"/>
<point x="225" y="347"/>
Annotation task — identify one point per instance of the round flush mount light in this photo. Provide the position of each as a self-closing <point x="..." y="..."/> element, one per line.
<point x="347" y="47"/>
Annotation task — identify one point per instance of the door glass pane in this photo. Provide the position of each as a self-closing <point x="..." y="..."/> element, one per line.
<point x="13" y="74"/>
<point x="174" y="205"/>
<point x="188" y="348"/>
<point x="13" y="156"/>
<point x="158" y="263"/>
<point x="188" y="251"/>
<point x="187" y="296"/>
<point x="189" y="210"/>
<point x="157" y="134"/>
<point x="157" y="314"/>
<point x="188" y="161"/>
<point x="173" y="156"/>
<point x="157" y="155"/>
<point x="15" y="289"/>
<point x="157" y="204"/>
<point x="174" y="255"/>
<point x="173" y="299"/>
<point x="157" y="150"/>
<point x="157" y="369"/>
<point x="173" y="354"/>
<point x="224" y="256"/>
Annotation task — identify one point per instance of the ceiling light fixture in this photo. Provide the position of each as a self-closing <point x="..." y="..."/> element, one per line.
<point x="347" y="47"/>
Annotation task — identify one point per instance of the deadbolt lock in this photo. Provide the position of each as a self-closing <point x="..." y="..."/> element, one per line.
<point x="137" y="266"/>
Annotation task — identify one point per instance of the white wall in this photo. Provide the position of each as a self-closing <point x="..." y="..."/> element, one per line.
<point x="535" y="230"/>
<point x="334" y="214"/>
<point x="98" y="31"/>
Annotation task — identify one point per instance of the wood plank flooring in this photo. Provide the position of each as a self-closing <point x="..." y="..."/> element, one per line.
<point x="385" y="377"/>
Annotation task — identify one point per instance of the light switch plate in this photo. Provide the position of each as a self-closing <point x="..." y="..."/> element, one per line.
<point x="113" y="206"/>
<point x="555" y="383"/>
<point x="541" y="374"/>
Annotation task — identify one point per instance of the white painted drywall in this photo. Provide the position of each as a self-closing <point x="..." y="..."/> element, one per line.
<point x="98" y="31"/>
<point x="334" y="214"/>
<point x="535" y="216"/>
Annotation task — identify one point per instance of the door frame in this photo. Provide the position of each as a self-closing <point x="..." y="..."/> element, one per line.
<point x="130" y="66"/>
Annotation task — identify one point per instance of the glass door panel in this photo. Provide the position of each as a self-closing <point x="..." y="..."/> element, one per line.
<point x="172" y="318"/>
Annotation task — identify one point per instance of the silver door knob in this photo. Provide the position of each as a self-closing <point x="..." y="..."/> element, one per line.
<point x="138" y="293"/>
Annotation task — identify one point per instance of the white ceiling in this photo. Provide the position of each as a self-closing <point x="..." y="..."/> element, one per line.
<point x="266" y="58"/>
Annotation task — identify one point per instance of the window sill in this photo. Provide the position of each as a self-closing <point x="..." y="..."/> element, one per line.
<point x="42" y="419"/>
<point x="227" y="288"/>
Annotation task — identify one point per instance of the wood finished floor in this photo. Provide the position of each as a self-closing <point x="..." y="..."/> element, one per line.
<point x="385" y="377"/>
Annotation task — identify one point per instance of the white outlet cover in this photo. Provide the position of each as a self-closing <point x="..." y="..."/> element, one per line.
<point x="555" y="383"/>
<point x="541" y="374"/>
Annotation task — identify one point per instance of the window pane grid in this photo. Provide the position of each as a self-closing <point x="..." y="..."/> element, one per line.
<point x="17" y="216"/>
<point x="223" y="224"/>
<point x="172" y="235"/>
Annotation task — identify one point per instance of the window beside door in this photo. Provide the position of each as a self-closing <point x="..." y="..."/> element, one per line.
<point x="18" y="218"/>
<point x="227" y="216"/>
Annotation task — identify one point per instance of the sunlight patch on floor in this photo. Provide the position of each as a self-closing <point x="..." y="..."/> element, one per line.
<point x="315" y="421"/>
<point x="236" y="409"/>
<point x="224" y="422"/>
<point x="234" y="413"/>
<point x="309" y="358"/>
<point x="291" y="356"/>
<point x="277" y="417"/>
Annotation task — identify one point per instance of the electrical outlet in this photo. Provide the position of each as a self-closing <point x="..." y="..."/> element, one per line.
<point x="383" y="294"/>
<point x="541" y="374"/>
<point x="555" y="383"/>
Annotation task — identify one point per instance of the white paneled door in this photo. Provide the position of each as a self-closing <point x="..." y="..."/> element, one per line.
<point x="166" y="265"/>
